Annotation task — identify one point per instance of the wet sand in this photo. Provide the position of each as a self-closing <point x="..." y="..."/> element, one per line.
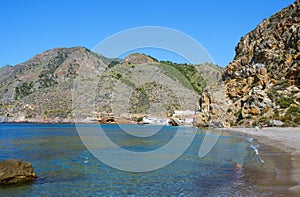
<point x="284" y="139"/>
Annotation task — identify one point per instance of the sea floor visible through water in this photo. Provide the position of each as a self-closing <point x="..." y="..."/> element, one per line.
<point x="66" y="168"/>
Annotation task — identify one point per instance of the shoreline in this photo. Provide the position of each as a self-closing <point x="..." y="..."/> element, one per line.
<point x="286" y="139"/>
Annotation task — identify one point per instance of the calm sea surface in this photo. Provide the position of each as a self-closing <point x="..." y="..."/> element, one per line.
<point x="66" y="168"/>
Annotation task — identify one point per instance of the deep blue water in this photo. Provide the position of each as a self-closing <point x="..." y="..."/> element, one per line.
<point x="66" y="168"/>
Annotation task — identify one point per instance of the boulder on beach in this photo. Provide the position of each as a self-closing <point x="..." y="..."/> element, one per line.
<point x="16" y="172"/>
<point x="276" y="123"/>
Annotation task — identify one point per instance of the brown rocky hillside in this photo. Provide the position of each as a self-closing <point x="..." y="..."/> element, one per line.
<point x="41" y="89"/>
<point x="261" y="85"/>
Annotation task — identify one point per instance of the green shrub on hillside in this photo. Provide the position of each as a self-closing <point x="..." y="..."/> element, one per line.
<point x="23" y="89"/>
<point x="285" y="101"/>
<point x="191" y="73"/>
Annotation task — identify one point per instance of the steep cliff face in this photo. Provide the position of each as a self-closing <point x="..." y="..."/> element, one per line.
<point x="262" y="82"/>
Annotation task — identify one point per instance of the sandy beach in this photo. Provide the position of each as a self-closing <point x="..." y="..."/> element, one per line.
<point x="285" y="139"/>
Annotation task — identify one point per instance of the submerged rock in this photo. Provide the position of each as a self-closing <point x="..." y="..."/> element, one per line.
<point x="16" y="172"/>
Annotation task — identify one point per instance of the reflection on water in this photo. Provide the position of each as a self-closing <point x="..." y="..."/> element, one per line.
<point x="239" y="173"/>
<point x="64" y="165"/>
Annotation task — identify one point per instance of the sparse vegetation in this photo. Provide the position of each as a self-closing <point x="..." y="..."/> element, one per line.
<point x="128" y="82"/>
<point x="237" y="113"/>
<point x="23" y="89"/>
<point x="190" y="73"/>
<point x="285" y="101"/>
<point x="139" y="101"/>
<point x="176" y="75"/>
<point x="113" y="63"/>
<point x="60" y="113"/>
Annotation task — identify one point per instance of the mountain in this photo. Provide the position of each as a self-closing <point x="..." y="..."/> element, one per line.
<point x="261" y="85"/>
<point x="40" y="89"/>
<point x="57" y="84"/>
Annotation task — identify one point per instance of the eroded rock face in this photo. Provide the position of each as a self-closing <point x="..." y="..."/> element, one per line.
<point x="263" y="80"/>
<point x="213" y="106"/>
<point x="16" y="172"/>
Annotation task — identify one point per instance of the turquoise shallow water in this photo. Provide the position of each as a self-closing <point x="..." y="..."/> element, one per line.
<point x="66" y="168"/>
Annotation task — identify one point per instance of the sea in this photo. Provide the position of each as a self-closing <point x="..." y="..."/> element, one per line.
<point x="235" y="166"/>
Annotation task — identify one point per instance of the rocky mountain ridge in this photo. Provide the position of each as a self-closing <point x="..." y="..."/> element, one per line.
<point x="261" y="86"/>
<point x="42" y="88"/>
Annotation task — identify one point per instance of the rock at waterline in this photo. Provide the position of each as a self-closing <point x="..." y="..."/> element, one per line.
<point x="16" y="172"/>
<point x="174" y="122"/>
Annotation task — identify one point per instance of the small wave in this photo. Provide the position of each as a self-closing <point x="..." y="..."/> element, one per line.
<point x="256" y="153"/>
<point x="250" y="139"/>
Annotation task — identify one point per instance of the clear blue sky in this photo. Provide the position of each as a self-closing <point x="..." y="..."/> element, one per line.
<point x="29" y="27"/>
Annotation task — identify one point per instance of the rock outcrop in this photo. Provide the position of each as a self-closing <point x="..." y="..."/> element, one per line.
<point x="262" y="83"/>
<point x="137" y="58"/>
<point x="212" y="105"/>
<point x="16" y="172"/>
